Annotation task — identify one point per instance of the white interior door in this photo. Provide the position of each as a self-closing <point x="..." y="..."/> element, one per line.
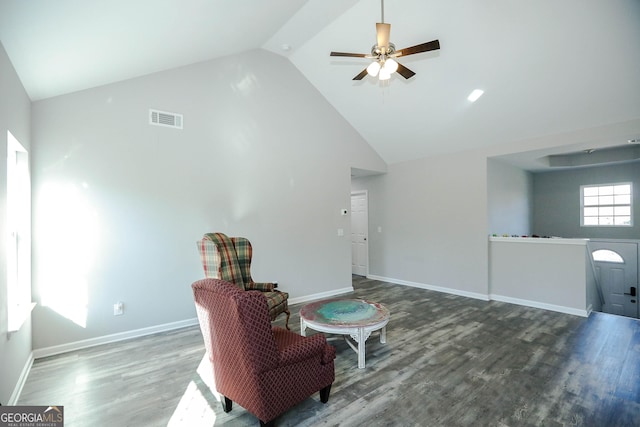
<point x="617" y="269"/>
<point x="359" y="231"/>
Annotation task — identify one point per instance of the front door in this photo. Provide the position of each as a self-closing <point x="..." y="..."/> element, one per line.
<point x="359" y="231"/>
<point x="617" y="271"/>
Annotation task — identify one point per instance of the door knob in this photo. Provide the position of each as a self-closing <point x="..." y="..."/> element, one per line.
<point x="632" y="291"/>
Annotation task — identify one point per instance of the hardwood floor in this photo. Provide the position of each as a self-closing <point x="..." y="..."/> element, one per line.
<point x="448" y="361"/>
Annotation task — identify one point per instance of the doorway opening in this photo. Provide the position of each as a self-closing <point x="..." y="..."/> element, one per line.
<point x="616" y="269"/>
<point x="359" y="233"/>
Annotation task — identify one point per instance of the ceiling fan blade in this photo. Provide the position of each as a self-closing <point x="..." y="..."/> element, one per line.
<point x="382" y="33"/>
<point x="361" y="75"/>
<point x="353" y="55"/>
<point x="424" y="47"/>
<point x="404" y="71"/>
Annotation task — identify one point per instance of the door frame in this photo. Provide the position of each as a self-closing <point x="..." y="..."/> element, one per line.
<point x="610" y="244"/>
<point x="366" y="197"/>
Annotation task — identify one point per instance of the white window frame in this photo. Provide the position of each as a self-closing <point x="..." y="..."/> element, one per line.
<point x="606" y="203"/>
<point x="18" y="217"/>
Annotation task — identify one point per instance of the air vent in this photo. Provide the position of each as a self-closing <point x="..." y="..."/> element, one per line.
<point x="163" y="118"/>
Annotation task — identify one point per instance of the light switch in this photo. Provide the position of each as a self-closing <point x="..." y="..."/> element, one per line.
<point x="379" y="229"/>
<point x="340" y="231"/>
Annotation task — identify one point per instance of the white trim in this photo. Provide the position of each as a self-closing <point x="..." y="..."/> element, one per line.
<point x="490" y="297"/>
<point x="543" y="240"/>
<point x="612" y="205"/>
<point x="452" y="291"/>
<point x="13" y="400"/>
<point x="121" y="336"/>
<point x="321" y="295"/>
<point x="542" y="305"/>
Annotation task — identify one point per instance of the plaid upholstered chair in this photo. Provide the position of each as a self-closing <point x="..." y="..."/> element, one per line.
<point x="263" y="368"/>
<point x="229" y="259"/>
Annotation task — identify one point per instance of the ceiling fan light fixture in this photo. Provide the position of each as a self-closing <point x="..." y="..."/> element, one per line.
<point x="390" y="66"/>
<point x="373" y="68"/>
<point x="383" y="53"/>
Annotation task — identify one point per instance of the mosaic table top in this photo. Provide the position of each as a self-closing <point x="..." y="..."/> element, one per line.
<point x="345" y="312"/>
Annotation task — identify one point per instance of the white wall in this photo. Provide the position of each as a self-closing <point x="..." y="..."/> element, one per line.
<point x="544" y="273"/>
<point x="119" y="204"/>
<point x="433" y="214"/>
<point x="509" y="199"/>
<point x="15" y="106"/>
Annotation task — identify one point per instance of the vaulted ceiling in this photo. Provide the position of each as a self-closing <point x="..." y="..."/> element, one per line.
<point x="546" y="66"/>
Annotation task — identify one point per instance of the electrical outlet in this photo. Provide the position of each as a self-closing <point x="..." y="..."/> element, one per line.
<point x="118" y="308"/>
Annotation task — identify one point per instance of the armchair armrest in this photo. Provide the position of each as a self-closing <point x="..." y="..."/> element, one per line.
<point x="258" y="286"/>
<point x="307" y="348"/>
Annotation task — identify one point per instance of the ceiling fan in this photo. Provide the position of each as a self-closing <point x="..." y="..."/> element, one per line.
<point x="384" y="53"/>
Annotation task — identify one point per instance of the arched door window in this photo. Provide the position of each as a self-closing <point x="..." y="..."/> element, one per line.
<point x="606" y="255"/>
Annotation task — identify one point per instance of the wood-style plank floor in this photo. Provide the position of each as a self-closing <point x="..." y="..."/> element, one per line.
<point x="448" y="361"/>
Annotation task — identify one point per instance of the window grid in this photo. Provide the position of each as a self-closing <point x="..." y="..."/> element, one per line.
<point x="606" y="205"/>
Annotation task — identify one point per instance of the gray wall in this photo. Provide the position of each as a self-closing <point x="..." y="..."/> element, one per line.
<point x="14" y="117"/>
<point x="119" y="204"/>
<point x="556" y="195"/>
<point x="510" y="193"/>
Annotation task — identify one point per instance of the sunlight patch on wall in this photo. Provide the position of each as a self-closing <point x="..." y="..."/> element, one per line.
<point x="68" y="237"/>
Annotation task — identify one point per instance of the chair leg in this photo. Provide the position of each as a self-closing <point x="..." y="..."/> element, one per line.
<point x="286" y="323"/>
<point x="227" y="404"/>
<point x="269" y="424"/>
<point x="324" y="394"/>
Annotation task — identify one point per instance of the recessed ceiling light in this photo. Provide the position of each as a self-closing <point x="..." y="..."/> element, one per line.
<point x="473" y="96"/>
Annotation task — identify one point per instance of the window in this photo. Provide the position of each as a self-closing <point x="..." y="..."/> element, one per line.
<point x="19" y="237"/>
<point x="606" y="255"/>
<point x="606" y="205"/>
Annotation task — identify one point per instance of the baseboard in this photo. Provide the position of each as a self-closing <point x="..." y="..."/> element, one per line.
<point x="77" y="345"/>
<point x="13" y="400"/>
<point x="452" y="291"/>
<point x="501" y="298"/>
<point x="542" y="305"/>
<point x="320" y="295"/>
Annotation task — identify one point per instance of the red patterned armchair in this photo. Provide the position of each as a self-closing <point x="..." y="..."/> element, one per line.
<point x="265" y="369"/>
<point x="229" y="259"/>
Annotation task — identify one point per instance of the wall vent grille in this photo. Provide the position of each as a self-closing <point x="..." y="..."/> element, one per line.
<point x="164" y="118"/>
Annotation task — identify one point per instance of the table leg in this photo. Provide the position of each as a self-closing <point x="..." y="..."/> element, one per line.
<point x="383" y="335"/>
<point x="361" y="348"/>
<point x="303" y="327"/>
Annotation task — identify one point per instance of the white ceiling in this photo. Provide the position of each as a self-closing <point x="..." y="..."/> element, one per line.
<point x="546" y="66"/>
